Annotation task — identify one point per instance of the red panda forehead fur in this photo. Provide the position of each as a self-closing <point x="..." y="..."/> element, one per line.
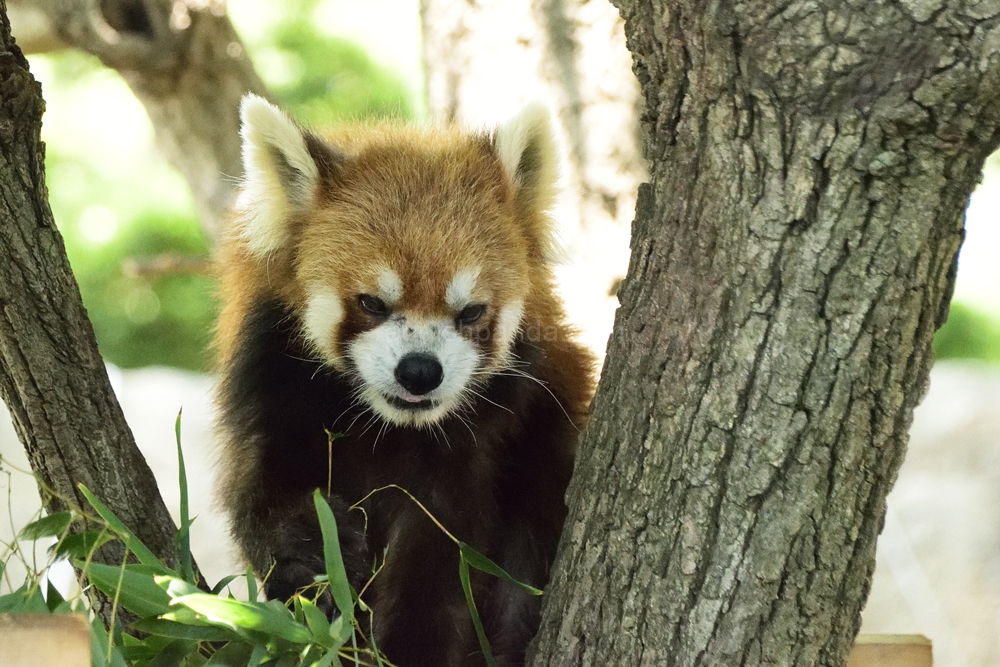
<point x="423" y="205"/>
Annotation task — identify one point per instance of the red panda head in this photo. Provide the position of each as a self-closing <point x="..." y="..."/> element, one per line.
<point x="409" y="257"/>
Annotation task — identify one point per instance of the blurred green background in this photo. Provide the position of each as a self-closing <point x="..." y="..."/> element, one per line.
<point x="115" y="199"/>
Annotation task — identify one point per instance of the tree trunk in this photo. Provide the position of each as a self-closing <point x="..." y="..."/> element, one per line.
<point x="792" y="256"/>
<point x="52" y="377"/>
<point x="185" y="63"/>
<point x="487" y="59"/>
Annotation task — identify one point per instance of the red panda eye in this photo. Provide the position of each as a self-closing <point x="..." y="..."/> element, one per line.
<point x="471" y="314"/>
<point x="373" y="305"/>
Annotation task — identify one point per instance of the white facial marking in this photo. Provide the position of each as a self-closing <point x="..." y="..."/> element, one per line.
<point x="324" y="312"/>
<point x="377" y="352"/>
<point x="266" y="198"/>
<point x="508" y="324"/>
<point x="459" y="291"/>
<point x="390" y="287"/>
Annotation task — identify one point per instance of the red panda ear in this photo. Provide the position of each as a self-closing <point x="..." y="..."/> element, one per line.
<point x="282" y="169"/>
<point x="527" y="151"/>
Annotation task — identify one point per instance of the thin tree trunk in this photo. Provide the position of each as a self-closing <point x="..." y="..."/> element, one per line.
<point x="185" y="63"/>
<point x="791" y="259"/>
<point x="52" y="377"/>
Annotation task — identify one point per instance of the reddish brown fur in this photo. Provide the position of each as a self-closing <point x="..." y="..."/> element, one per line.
<point x="426" y="204"/>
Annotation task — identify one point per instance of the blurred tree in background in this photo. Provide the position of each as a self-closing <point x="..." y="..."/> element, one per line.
<point x="115" y="211"/>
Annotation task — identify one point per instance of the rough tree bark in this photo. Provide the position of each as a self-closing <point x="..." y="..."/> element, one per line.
<point x="52" y="377"/>
<point x="185" y="63"/>
<point x="791" y="258"/>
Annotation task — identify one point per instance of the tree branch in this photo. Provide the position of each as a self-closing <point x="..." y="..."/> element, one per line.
<point x="186" y="64"/>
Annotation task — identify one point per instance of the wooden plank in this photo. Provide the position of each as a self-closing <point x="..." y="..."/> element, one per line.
<point x="32" y="640"/>
<point x="891" y="651"/>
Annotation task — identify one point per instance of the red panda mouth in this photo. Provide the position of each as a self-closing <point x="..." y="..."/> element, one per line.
<point x="404" y="404"/>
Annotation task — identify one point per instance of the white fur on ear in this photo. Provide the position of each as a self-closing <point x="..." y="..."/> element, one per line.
<point x="528" y="153"/>
<point x="280" y="175"/>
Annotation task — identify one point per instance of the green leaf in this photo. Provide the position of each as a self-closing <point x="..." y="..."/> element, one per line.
<point x="251" y="585"/>
<point x="477" y="623"/>
<point x="98" y="643"/>
<point x="484" y="564"/>
<point x="233" y="654"/>
<point x="185" y="616"/>
<point x="139" y="592"/>
<point x="335" y="572"/>
<point x="176" y="630"/>
<point x="341" y="630"/>
<point x="327" y="659"/>
<point x="99" y="647"/>
<point x="145" y="556"/>
<point x="183" y="538"/>
<point x="81" y="545"/>
<point x="48" y="526"/>
<point x="174" y="653"/>
<point x="225" y="581"/>
<point x="53" y="598"/>
<point x="257" y="657"/>
<point x="176" y="587"/>
<point x="317" y="623"/>
<point x="247" y="615"/>
<point x="25" y="600"/>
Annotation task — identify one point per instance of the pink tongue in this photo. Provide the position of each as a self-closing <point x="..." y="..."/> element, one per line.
<point x="412" y="398"/>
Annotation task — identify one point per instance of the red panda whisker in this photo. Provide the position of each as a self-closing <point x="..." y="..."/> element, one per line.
<point x="382" y="429"/>
<point x="473" y="391"/>
<point x="444" y="434"/>
<point x="542" y="384"/>
<point x="371" y="422"/>
<point x="359" y="416"/>
<point x="465" y="422"/>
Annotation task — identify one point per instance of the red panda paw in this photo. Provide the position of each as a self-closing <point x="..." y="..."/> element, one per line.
<point x="297" y="554"/>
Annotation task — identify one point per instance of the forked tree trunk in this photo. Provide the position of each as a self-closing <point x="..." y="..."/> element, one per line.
<point x="791" y="259"/>
<point x="52" y="377"/>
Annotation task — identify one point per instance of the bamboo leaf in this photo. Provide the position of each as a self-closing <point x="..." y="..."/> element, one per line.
<point x="225" y="581"/>
<point x="335" y="572"/>
<point x="233" y="654"/>
<point x="139" y="592"/>
<point x="251" y="585"/>
<point x="318" y="625"/>
<point x="81" y="545"/>
<point x="246" y="615"/>
<point x="484" y="643"/>
<point x="484" y="564"/>
<point x="177" y="630"/>
<point x="52" y="525"/>
<point x="145" y="556"/>
<point x="184" y="531"/>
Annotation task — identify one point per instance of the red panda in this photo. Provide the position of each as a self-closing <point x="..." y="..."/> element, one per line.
<point x="394" y="286"/>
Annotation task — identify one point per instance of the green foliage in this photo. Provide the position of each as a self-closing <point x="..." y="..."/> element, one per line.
<point x="183" y="625"/>
<point x="331" y="80"/>
<point x="116" y="202"/>
<point x="147" y="320"/>
<point x="968" y="334"/>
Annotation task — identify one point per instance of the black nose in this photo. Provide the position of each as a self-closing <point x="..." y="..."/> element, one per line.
<point x="419" y="373"/>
